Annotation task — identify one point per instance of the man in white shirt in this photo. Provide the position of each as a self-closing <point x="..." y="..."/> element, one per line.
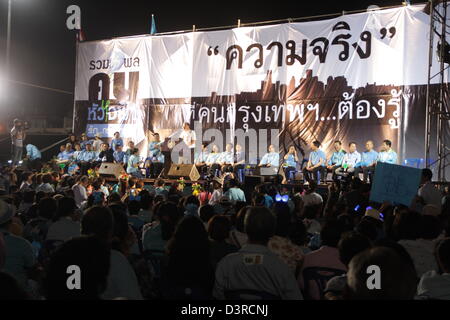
<point x="67" y="226"/>
<point x="311" y="197"/>
<point x="255" y="267"/>
<point x="188" y="136"/>
<point x="349" y="161"/>
<point x="79" y="191"/>
<point x="428" y="192"/>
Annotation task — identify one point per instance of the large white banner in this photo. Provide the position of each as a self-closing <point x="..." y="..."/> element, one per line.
<point x="355" y="77"/>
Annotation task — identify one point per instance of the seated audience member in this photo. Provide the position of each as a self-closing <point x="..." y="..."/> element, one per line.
<point x="368" y="162"/>
<point x="27" y="182"/>
<point x="290" y="162"/>
<point x="327" y="256"/>
<point x="36" y="229"/>
<point x="218" y="191"/>
<point x="397" y="280"/>
<point x="66" y="223"/>
<point x="349" y="162"/>
<point x="122" y="281"/>
<point x="336" y="158"/>
<point x="134" y="207"/>
<point x="408" y="228"/>
<point x="62" y="155"/>
<point x="310" y="221"/>
<point x="235" y="193"/>
<point x="436" y="284"/>
<point x="19" y="257"/>
<point x="10" y="288"/>
<point x="238" y="237"/>
<point x="146" y="202"/>
<point x="46" y="185"/>
<point x="160" y="189"/>
<point x="206" y="212"/>
<point x="280" y="244"/>
<point x="428" y="192"/>
<point x="311" y="197"/>
<point x="188" y="264"/>
<point x="156" y="234"/>
<point x="34" y="157"/>
<point x="92" y="256"/>
<point x="219" y="228"/>
<point x="316" y="164"/>
<point x="80" y="192"/>
<point x="255" y="267"/>
<point x="349" y="246"/>
<point x="299" y="236"/>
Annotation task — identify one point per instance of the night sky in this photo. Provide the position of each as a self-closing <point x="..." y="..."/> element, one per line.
<point x="43" y="50"/>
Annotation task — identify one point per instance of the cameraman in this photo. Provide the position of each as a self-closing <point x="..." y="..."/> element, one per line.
<point x="17" y="137"/>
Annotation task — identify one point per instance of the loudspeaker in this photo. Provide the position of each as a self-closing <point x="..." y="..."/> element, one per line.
<point x="187" y="171"/>
<point x="111" y="169"/>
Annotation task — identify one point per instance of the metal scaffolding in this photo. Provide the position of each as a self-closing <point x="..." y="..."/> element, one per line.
<point x="437" y="103"/>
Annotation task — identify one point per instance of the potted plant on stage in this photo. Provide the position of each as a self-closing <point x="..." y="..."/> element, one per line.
<point x="196" y="189"/>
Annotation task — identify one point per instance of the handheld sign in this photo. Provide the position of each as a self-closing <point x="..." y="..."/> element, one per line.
<point x="394" y="183"/>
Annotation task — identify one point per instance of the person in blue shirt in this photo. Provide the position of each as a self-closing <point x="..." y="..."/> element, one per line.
<point x="34" y="157"/>
<point x="200" y="160"/>
<point x="119" y="155"/>
<point x="133" y="164"/>
<point x="155" y="160"/>
<point x="387" y="155"/>
<point x="60" y="155"/>
<point x="351" y="159"/>
<point x="86" y="158"/>
<point x="213" y="161"/>
<point x="368" y="161"/>
<point x="226" y="159"/>
<point x="239" y="162"/>
<point x="117" y="141"/>
<point x="336" y="158"/>
<point x="316" y="163"/>
<point x="290" y="162"/>
<point x="270" y="161"/>
<point x="77" y="152"/>
<point x="84" y="141"/>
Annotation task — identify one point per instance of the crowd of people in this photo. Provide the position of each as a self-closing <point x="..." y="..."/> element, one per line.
<point x="167" y="241"/>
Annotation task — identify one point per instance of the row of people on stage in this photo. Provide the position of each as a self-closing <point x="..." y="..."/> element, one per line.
<point x="345" y="164"/>
<point x="209" y="161"/>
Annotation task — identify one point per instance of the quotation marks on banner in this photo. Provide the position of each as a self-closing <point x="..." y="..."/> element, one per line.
<point x="384" y="32"/>
<point x="216" y="51"/>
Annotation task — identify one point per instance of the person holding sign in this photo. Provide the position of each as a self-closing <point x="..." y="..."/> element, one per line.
<point x="349" y="161"/>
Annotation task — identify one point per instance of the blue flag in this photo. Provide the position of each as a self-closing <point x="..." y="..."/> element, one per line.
<point x="153" y="28"/>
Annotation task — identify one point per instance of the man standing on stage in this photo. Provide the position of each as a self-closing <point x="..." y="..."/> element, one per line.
<point x="368" y="161"/>
<point x="336" y="158"/>
<point x="316" y="163"/>
<point x="188" y="137"/>
<point x="18" y="135"/>
<point x="349" y="162"/>
<point x="155" y="160"/>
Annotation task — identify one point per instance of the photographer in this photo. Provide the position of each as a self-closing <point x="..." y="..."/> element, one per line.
<point x="18" y="135"/>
